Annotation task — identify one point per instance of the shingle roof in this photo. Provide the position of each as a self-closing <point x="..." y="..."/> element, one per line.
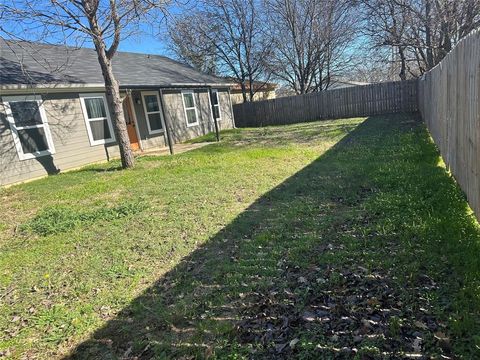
<point x="26" y="63"/>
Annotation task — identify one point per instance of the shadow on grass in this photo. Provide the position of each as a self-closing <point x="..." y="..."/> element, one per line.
<point x="361" y="252"/>
<point x="100" y="169"/>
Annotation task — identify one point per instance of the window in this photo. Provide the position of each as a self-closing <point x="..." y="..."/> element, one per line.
<point x="190" y="108"/>
<point x="97" y="119"/>
<point x="30" y="130"/>
<point x="216" y="105"/>
<point x="153" y="112"/>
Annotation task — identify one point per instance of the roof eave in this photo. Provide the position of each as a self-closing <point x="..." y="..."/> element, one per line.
<point x="12" y="89"/>
<point x="174" y="85"/>
<point x="202" y="84"/>
<point x="8" y="89"/>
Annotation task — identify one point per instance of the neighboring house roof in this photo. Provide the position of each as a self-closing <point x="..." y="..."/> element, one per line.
<point x="29" y="64"/>
<point x="283" y="91"/>
<point x="339" y="84"/>
<point x="257" y="85"/>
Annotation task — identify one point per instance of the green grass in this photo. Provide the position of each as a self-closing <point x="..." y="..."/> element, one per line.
<point x="220" y="252"/>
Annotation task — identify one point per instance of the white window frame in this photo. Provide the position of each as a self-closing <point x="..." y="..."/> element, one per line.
<point x="87" y="120"/>
<point x="150" y="131"/>
<point x="14" y="128"/>
<point x="190" y="108"/>
<point x="218" y="105"/>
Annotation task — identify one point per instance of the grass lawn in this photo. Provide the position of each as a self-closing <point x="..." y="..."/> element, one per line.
<point x="335" y="239"/>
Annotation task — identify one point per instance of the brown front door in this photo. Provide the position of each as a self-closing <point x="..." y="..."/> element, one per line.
<point x="132" y="132"/>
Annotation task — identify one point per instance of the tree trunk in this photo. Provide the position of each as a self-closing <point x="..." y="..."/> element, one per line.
<point x="251" y="90"/>
<point x="403" y="64"/>
<point x="428" y="35"/>
<point x="116" y="109"/>
<point x="244" y="91"/>
<point x="302" y="81"/>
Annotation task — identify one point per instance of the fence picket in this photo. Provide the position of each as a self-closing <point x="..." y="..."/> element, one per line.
<point x="366" y="100"/>
<point x="450" y="105"/>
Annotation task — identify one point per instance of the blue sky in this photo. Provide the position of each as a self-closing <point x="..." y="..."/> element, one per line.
<point x="150" y="41"/>
<point x="146" y="42"/>
<point x="150" y="38"/>
<point x="145" y="46"/>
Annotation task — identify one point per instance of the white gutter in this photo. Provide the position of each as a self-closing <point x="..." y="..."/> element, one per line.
<point x="16" y="89"/>
<point x="48" y="88"/>
<point x="203" y="84"/>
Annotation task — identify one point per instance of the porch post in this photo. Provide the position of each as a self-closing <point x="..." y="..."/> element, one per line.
<point x="167" y="124"/>
<point x="212" y="106"/>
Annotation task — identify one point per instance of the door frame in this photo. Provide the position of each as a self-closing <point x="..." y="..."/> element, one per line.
<point x="134" y="118"/>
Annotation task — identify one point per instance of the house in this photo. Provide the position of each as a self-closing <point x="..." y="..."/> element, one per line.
<point x="284" y="91"/>
<point x="341" y="84"/>
<point x="54" y="115"/>
<point x="262" y="90"/>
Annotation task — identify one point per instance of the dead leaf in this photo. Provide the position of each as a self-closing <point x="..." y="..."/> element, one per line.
<point x="280" y="347"/>
<point x="294" y="342"/>
<point x="5" y="353"/>
<point x="373" y="302"/>
<point x="441" y="336"/>
<point x="302" y="280"/>
<point x="208" y="352"/>
<point x="417" y="345"/>
<point x="308" y="316"/>
<point x="421" y="325"/>
<point x="443" y="340"/>
<point x="127" y="353"/>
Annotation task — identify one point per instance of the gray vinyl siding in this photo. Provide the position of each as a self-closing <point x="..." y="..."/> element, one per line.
<point x="69" y="135"/>
<point x="70" y="138"/>
<point x="175" y="113"/>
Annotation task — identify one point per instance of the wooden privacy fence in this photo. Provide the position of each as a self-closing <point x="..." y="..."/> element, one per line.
<point x="449" y="101"/>
<point x="381" y="98"/>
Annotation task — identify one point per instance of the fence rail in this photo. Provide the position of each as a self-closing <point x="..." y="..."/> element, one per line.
<point x="449" y="101"/>
<point x="381" y="98"/>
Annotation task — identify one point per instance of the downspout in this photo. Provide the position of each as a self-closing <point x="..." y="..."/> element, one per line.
<point x="212" y="105"/>
<point x="167" y="124"/>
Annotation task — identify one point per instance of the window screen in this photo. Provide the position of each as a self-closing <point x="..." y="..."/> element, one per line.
<point x="30" y="130"/>
<point x="97" y="119"/>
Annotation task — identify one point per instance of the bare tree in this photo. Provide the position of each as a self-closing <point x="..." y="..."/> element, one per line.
<point x="420" y="32"/>
<point x="339" y="29"/>
<point x="310" y="41"/>
<point x="373" y="66"/>
<point x="191" y="45"/>
<point x="387" y="25"/>
<point x="105" y="23"/>
<point x="228" y="36"/>
<point x="436" y="26"/>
